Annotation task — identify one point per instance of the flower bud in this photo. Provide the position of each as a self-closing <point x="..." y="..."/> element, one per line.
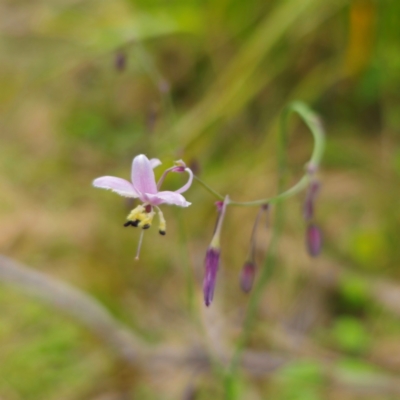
<point x="211" y="269"/>
<point x="213" y="255"/>
<point x="247" y="276"/>
<point x="313" y="240"/>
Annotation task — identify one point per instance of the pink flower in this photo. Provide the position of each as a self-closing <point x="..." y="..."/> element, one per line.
<point x="143" y="186"/>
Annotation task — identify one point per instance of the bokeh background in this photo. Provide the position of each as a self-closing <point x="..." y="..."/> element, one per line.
<point x="87" y="85"/>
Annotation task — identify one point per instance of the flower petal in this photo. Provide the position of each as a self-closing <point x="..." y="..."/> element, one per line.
<point x="187" y="185"/>
<point x="117" y="185"/>
<point x="166" y="197"/>
<point x="142" y="175"/>
<point x="155" y="162"/>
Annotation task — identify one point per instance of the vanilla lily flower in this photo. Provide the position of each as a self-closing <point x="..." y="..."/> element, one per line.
<point x="143" y="186"/>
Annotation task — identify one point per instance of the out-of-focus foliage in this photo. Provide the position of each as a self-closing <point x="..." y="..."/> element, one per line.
<point x="86" y="85"/>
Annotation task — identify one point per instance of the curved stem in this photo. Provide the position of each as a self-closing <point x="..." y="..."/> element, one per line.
<point x="314" y="125"/>
<point x="208" y="188"/>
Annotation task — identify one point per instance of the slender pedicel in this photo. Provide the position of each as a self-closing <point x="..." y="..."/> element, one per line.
<point x="309" y="202"/>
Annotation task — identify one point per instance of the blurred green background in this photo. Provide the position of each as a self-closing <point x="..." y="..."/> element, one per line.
<point x="87" y="85"/>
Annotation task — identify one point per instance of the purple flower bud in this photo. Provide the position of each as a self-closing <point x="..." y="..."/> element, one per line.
<point x="211" y="266"/>
<point x="213" y="254"/>
<point x="308" y="207"/>
<point x="247" y="276"/>
<point x="313" y="240"/>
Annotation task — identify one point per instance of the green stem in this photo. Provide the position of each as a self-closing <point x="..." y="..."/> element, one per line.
<point x="312" y="122"/>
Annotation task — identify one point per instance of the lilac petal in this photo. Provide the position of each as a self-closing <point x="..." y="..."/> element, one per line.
<point x="210" y="277"/>
<point x="142" y="175"/>
<point x="117" y="185"/>
<point x="313" y="240"/>
<point x="155" y="162"/>
<point x="187" y="185"/>
<point x="166" y="197"/>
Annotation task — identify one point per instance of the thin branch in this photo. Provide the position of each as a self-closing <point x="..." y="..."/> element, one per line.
<point x="75" y="303"/>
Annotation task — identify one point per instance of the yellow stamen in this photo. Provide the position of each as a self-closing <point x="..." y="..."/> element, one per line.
<point x="146" y="220"/>
<point x="162" y="228"/>
<point x="140" y="217"/>
<point x="136" y="213"/>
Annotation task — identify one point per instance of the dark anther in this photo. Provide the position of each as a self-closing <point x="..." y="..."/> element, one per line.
<point x="147" y="226"/>
<point x="148" y="208"/>
<point x="162" y="232"/>
<point x="135" y="223"/>
<point x="128" y="223"/>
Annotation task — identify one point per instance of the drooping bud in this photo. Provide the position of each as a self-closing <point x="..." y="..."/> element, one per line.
<point x="313" y="240"/>
<point x="308" y="206"/>
<point x="213" y="256"/>
<point x="247" y="276"/>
